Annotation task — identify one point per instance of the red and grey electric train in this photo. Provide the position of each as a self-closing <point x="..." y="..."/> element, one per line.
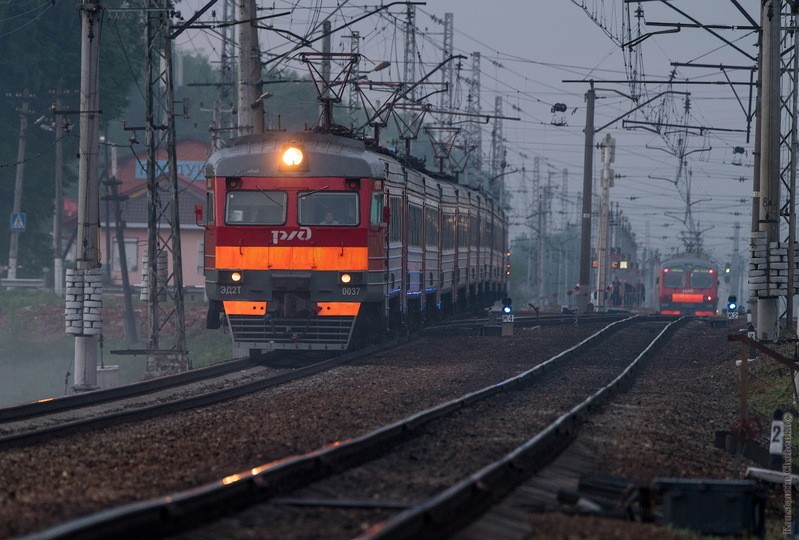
<point x="314" y="241"/>
<point x="688" y="284"/>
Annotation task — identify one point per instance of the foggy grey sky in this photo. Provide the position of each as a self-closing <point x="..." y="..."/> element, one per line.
<point x="529" y="47"/>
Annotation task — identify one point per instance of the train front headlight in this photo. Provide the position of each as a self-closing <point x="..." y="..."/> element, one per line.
<point x="231" y="276"/>
<point x="292" y="157"/>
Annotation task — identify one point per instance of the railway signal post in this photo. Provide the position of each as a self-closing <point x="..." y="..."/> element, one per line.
<point x="507" y="317"/>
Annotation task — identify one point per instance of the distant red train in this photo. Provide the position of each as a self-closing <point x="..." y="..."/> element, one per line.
<point x="316" y="242"/>
<point x="688" y="284"/>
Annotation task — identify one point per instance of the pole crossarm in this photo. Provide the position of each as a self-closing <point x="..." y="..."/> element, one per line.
<point x="403" y="91"/>
<point x="647" y="102"/>
<point x="349" y="23"/>
<point x="710" y="31"/>
<point x="701" y="129"/>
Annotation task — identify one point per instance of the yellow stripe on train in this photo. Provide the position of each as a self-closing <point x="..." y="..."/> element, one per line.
<point x="291" y="258"/>
<point x="328" y="309"/>
<point x="236" y="307"/>
<point x="687" y="297"/>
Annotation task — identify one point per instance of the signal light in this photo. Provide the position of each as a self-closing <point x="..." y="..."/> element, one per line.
<point x="732" y="303"/>
<point x="507" y="308"/>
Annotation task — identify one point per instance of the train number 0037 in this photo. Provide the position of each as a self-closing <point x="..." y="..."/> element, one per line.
<point x="350" y="291"/>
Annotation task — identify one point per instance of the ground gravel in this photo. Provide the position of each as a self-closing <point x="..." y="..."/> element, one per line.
<point x="45" y="484"/>
<point x="664" y="426"/>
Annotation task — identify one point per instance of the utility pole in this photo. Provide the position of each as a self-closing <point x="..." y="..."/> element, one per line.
<point x="163" y="290"/>
<point x="608" y="146"/>
<point x="448" y="72"/>
<point x="585" y="232"/>
<point x="769" y="144"/>
<point x="251" y="98"/>
<point x="409" y="59"/>
<point x="355" y="47"/>
<point x="131" y="335"/>
<point x="84" y="284"/>
<point x="541" y="197"/>
<point x="474" y="134"/>
<point x="325" y="111"/>
<point x="105" y="177"/>
<point x="58" y="206"/>
<point x="535" y="202"/>
<point x="17" y="205"/>
<point x="497" y="153"/>
<point x="736" y="263"/>
<point x="791" y="198"/>
<point x="227" y="73"/>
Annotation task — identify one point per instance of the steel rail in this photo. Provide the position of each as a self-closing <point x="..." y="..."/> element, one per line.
<point x="179" y="511"/>
<point x="463" y="502"/>
<point x="49" y="406"/>
<point x="44" y="434"/>
<point x="66" y="403"/>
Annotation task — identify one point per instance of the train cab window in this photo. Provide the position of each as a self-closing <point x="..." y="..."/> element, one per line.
<point x="701" y="278"/>
<point x="376" y="210"/>
<point x="673" y="278"/>
<point x="209" y="207"/>
<point x="246" y="207"/>
<point x="328" y="208"/>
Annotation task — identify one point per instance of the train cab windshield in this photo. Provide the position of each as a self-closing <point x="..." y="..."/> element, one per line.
<point x="674" y="277"/>
<point x="246" y="207"/>
<point x="701" y="278"/>
<point x="328" y="208"/>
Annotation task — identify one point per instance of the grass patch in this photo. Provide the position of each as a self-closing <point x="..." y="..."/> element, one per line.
<point x="37" y="356"/>
<point x="771" y="388"/>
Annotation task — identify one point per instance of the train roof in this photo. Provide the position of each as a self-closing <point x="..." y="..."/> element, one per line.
<point x="688" y="258"/>
<point x="328" y="155"/>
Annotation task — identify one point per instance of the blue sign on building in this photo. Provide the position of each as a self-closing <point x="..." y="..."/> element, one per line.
<point x="18" y="220"/>
<point x="192" y="170"/>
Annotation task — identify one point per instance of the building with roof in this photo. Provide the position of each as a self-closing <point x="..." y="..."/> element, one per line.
<point x="131" y="172"/>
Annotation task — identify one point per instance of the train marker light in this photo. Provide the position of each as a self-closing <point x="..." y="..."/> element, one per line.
<point x="345" y="278"/>
<point x="235" y="277"/>
<point x="292" y="157"/>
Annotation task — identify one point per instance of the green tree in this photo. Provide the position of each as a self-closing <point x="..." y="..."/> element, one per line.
<point x="41" y="43"/>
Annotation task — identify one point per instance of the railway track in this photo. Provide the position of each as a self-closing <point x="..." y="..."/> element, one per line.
<point x="283" y="482"/>
<point x="45" y="421"/>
